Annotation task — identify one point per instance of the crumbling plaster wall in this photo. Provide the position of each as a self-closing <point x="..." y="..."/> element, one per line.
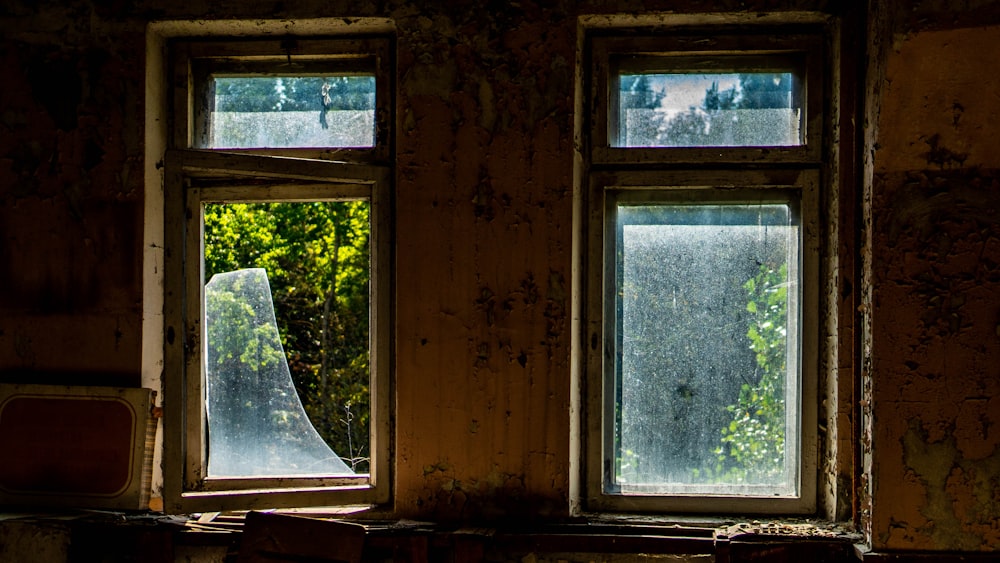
<point x="484" y="225"/>
<point x="933" y="432"/>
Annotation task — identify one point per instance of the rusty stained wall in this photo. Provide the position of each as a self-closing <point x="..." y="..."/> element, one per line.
<point x="935" y="284"/>
<point x="71" y="205"/>
<point x="483" y="255"/>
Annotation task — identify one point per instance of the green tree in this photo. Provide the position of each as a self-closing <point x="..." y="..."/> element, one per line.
<point x="726" y="99"/>
<point x="765" y="90"/>
<point x="316" y="256"/>
<point x="753" y="443"/>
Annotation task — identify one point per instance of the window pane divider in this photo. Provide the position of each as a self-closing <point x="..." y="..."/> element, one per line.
<point x="699" y="156"/>
<point x="267" y="482"/>
<point x="265" y="498"/>
<point x="204" y="162"/>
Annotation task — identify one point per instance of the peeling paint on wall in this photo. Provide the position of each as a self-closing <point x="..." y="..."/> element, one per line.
<point x="935" y="262"/>
<point x="962" y="494"/>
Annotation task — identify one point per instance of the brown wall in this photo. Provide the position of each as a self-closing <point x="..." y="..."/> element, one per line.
<point x="484" y="206"/>
<point x="935" y="284"/>
<point x="484" y="196"/>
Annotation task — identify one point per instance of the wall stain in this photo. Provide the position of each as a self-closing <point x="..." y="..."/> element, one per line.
<point x="932" y="203"/>
<point x="957" y="110"/>
<point x="941" y="155"/>
<point x="962" y="504"/>
<point x="482" y="197"/>
<point x="486" y="303"/>
<point x="945" y="221"/>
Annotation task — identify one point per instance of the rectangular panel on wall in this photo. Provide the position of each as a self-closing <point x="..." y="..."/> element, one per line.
<point x="75" y="446"/>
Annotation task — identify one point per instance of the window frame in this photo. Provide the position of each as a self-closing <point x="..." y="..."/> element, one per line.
<point x="715" y="174"/>
<point x="194" y="61"/>
<point x="610" y="53"/>
<point x="194" y="177"/>
<point x="707" y="187"/>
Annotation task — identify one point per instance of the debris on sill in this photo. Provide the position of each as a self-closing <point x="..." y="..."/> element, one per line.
<point x="702" y="527"/>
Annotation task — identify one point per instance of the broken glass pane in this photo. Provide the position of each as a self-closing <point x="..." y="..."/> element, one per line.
<point x="256" y="422"/>
<point x="318" y="262"/>
<point x="709" y="110"/>
<point x="293" y="111"/>
<point x="706" y="349"/>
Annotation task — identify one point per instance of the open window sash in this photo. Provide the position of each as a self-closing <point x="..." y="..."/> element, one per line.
<point x="195" y="178"/>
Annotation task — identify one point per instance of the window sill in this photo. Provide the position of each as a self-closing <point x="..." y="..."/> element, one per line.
<point x="721" y="539"/>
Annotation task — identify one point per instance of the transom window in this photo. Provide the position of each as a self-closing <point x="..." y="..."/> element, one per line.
<point x="286" y="110"/>
<point x="703" y="271"/>
<point x="681" y="103"/>
<point x="277" y="273"/>
<point x="700" y="99"/>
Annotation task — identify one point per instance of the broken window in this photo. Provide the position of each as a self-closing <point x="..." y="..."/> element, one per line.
<point x="257" y="424"/>
<point x="278" y="276"/>
<point x="294" y="366"/>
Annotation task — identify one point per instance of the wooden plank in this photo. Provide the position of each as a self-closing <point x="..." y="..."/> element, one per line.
<point x="271" y="537"/>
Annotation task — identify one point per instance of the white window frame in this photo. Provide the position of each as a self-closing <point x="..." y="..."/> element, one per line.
<point x="194" y="177"/>
<point x="711" y="174"/>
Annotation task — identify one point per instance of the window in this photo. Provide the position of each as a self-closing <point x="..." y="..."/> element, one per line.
<point x="704" y="184"/>
<point x="685" y="97"/>
<point x="695" y="106"/>
<point x="277" y="275"/>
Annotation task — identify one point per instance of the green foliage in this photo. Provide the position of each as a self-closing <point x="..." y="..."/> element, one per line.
<point x="317" y="260"/>
<point x="637" y="92"/>
<point x="727" y="99"/>
<point x="753" y="443"/>
<point x="764" y="91"/>
<point x="237" y="323"/>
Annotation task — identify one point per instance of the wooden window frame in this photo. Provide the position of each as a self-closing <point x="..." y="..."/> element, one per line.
<point x="709" y="52"/>
<point x="193" y="177"/>
<point x="656" y="172"/>
<point x="799" y="186"/>
<point x="194" y="61"/>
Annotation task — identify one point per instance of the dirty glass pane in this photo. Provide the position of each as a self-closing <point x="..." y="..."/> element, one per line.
<point x="293" y="111"/>
<point x="287" y="338"/>
<point x="709" y="110"/>
<point x="706" y="349"/>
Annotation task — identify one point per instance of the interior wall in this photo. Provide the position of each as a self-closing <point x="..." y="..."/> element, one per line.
<point x="935" y="281"/>
<point x="484" y="232"/>
<point x="484" y="199"/>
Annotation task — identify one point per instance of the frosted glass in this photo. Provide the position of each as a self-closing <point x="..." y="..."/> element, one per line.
<point x="293" y="112"/>
<point x="683" y="351"/>
<point x="708" y="110"/>
<point x="256" y="423"/>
